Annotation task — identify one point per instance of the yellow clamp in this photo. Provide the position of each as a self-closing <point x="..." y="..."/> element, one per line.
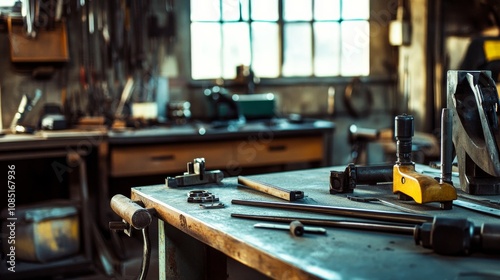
<point x="422" y="188"/>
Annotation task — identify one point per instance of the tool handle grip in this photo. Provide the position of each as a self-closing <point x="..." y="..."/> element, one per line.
<point x="490" y="238"/>
<point x="296" y="228"/>
<point x="130" y="211"/>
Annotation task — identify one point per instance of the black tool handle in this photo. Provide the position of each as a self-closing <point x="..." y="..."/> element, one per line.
<point x="345" y="181"/>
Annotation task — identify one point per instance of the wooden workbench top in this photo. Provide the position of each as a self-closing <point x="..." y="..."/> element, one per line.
<point x="340" y="254"/>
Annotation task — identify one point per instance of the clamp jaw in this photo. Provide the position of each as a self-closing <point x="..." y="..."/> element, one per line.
<point x="423" y="189"/>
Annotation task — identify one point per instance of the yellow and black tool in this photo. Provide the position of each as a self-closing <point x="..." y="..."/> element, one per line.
<point x="408" y="183"/>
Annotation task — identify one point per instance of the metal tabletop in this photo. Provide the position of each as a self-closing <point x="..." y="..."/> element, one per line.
<point x="340" y="254"/>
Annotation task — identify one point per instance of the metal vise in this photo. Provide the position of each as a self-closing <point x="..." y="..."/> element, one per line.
<point x="473" y="98"/>
<point x="195" y="175"/>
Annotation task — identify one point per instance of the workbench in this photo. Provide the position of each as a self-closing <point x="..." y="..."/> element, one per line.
<point x="197" y="243"/>
<point x="111" y="157"/>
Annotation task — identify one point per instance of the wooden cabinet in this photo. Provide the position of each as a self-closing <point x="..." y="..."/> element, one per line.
<point x="229" y="154"/>
<point x="166" y="158"/>
<point x="280" y="151"/>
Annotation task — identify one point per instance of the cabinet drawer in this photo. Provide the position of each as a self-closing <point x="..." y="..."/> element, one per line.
<point x="161" y="159"/>
<point x="280" y="151"/>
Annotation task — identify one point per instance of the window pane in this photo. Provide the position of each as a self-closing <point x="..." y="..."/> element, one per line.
<point x="326" y="49"/>
<point x="245" y="9"/>
<point x="355" y="58"/>
<point x="235" y="47"/>
<point x="7" y="3"/>
<point x="205" y="51"/>
<point x="205" y="10"/>
<point x="327" y="9"/>
<point x="356" y="9"/>
<point x="265" y="10"/>
<point x="298" y="50"/>
<point x="297" y="9"/>
<point x="230" y="10"/>
<point x="265" y="49"/>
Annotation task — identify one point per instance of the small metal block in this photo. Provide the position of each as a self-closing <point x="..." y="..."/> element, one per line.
<point x="212" y="206"/>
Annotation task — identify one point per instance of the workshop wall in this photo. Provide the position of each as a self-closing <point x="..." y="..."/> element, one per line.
<point x="307" y="99"/>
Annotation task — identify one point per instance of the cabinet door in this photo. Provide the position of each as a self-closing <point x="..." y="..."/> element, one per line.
<point x="280" y="151"/>
<point x="168" y="158"/>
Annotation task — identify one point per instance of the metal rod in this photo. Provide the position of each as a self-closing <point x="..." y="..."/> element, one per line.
<point x="383" y="202"/>
<point x="477" y="207"/>
<point x="400" y="229"/>
<point x="146" y="254"/>
<point x="342" y="211"/>
<point x="446" y="145"/>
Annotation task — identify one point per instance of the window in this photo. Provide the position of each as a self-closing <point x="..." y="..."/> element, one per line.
<point x="7" y="3"/>
<point x="280" y="38"/>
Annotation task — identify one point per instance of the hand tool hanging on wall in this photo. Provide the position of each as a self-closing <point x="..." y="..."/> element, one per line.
<point x="138" y="60"/>
<point x="84" y="75"/>
<point x="25" y="106"/>
<point x="134" y="216"/>
<point x="473" y="98"/>
<point x="444" y="235"/>
<point x="270" y="189"/>
<point x="116" y="10"/>
<point x="195" y="175"/>
<point x="28" y="14"/>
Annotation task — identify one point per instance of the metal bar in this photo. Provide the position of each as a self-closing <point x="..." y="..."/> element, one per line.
<point x="477" y="207"/>
<point x="270" y="189"/>
<point x="446" y="145"/>
<point x="342" y="211"/>
<point x="384" y="202"/>
<point x="389" y="228"/>
<point x="146" y="254"/>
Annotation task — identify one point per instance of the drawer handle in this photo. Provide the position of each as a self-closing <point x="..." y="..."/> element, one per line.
<point x="162" y="158"/>
<point x="277" y="148"/>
